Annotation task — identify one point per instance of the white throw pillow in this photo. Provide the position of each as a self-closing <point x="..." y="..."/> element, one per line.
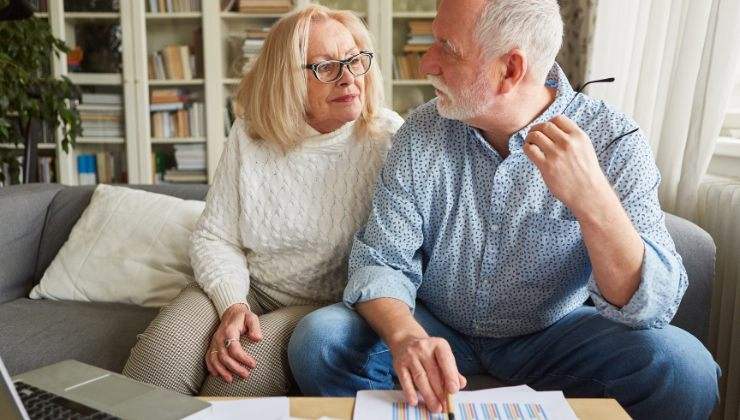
<point x="129" y="246"/>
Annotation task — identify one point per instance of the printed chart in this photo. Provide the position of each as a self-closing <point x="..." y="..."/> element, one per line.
<point x="506" y="403"/>
<point x="472" y="411"/>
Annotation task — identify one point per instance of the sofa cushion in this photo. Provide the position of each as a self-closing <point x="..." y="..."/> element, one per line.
<point x="37" y="333"/>
<point x="129" y="246"/>
<point x="68" y="205"/>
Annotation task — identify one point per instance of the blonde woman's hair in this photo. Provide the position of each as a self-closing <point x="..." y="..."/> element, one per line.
<point x="273" y="94"/>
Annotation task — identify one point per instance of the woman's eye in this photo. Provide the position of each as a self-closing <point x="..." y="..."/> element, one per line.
<point x="326" y="68"/>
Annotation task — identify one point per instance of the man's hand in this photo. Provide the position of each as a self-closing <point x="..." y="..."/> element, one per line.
<point x="426" y="365"/>
<point x="567" y="161"/>
<point x="225" y="361"/>
<point x="422" y="363"/>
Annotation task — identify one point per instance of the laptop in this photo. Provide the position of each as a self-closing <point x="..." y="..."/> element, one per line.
<point x="71" y="389"/>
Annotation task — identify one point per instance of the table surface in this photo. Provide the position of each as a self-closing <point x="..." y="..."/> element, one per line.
<point x="341" y="408"/>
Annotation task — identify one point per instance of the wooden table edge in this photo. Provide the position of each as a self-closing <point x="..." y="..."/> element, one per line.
<point x="342" y="407"/>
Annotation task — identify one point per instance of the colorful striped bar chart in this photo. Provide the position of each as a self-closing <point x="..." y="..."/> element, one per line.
<point x="500" y="411"/>
<point x="472" y="411"/>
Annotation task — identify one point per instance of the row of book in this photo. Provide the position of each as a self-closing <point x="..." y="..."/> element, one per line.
<point x="176" y="113"/>
<point x="101" y="115"/>
<point x="172" y="62"/>
<point x="45" y="166"/>
<point x="406" y="66"/>
<point x="418" y="41"/>
<point x="183" y="123"/>
<point x="170" y="6"/>
<point x="98" y="168"/>
<point x="265" y="6"/>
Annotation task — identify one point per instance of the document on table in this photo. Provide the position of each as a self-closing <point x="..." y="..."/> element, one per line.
<point x="274" y="408"/>
<point x="520" y="402"/>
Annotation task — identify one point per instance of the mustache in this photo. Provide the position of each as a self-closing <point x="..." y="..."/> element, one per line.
<point x="438" y="84"/>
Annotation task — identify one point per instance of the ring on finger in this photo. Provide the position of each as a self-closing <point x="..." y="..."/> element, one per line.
<point x="228" y="342"/>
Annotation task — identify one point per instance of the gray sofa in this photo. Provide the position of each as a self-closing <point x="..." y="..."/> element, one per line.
<point x="35" y="221"/>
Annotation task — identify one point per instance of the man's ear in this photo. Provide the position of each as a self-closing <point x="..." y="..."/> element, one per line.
<point x="513" y="69"/>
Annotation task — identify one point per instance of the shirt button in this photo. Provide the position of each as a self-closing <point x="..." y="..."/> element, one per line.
<point x="494" y="228"/>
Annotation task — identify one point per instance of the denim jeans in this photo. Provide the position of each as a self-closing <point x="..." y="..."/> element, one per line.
<point x="654" y="374"/>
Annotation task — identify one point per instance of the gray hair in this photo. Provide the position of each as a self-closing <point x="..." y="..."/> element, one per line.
<point x="534" y="26"/>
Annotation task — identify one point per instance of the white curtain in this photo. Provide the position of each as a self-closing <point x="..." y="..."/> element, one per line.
<point x="674" y="62"/>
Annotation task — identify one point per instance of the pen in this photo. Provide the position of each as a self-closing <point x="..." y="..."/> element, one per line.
<point x="450" y="408"/>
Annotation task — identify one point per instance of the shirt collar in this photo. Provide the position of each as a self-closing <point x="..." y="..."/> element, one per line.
<point x="557" y="79"/>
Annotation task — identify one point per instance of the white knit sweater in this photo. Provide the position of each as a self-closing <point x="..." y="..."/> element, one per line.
<point x="285" y="222"/>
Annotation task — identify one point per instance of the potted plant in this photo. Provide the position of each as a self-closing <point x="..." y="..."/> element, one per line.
<point x="29" y="94"/>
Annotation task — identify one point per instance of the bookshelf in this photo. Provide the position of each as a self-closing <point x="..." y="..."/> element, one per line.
<point x="140" y="145"/>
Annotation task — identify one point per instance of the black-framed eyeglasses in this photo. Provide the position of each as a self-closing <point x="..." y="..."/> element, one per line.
<point x="330" y="71"/>
<point x="578" y="92"/>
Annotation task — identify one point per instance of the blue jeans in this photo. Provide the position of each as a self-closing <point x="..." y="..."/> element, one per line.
<point x="654" y="374"/>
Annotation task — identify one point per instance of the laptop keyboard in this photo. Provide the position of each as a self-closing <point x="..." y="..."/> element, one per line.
<point x="44" y="405"/>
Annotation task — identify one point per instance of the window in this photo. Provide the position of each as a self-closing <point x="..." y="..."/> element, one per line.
<point x="731" y="126"/>
<point x="726" y="159"/>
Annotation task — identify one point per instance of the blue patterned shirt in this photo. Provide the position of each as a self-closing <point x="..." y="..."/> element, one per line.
<point x="483" y="243"/>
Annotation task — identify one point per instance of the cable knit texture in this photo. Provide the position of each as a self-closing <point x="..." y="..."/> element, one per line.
<point x="286" y="221"/>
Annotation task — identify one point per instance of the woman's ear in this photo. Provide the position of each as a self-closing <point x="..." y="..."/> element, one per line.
<point x="513" y="70"/>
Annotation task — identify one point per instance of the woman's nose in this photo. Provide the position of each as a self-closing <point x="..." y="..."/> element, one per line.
<point x="347" y="77"/>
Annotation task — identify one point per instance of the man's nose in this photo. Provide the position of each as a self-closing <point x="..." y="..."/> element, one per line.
<point x="429" y="63"/>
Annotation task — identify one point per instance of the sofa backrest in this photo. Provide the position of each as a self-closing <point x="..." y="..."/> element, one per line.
<point x="68" y="205"/>
<point x="36" y="220"/>
<point x="22" y="216"/>
<point x="698" y="252"/>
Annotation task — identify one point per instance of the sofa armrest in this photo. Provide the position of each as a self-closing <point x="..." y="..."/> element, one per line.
<point x="22" y="217"/>
<point x="698" y="252"/>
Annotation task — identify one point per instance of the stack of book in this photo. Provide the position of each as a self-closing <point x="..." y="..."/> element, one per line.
<point x="265" y="6"/>
<point x="190" y="161"/>
<point x="252" y="45"/>
<point x="420" y="39"/>
<point x="169" y="6"/>
<point x="95" y="168"/>
<point x="101" y="115"/>
<point x="172" y="62"/>
<point x="176" y="114"/>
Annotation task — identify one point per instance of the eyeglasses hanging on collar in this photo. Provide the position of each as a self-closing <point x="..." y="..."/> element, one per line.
<point x="580" y="90"/>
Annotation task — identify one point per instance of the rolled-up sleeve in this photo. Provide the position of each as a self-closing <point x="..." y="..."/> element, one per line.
<point x="635" y="178"/>
<point x="385" y="261"/>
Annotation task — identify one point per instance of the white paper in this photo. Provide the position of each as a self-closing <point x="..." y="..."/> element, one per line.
<point x="275" y="408"/>
<point x="495" y="403"/>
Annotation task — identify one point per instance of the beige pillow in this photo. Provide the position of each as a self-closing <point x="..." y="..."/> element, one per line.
<point x="129" y="246"/>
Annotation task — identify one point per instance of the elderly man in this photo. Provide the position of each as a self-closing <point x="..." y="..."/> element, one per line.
<point x="503" y="206"/>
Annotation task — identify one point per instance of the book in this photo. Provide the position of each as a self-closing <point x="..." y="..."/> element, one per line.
<point x="102" y="98"/>
<point x="185" y="176"/>
<point x="265" y="6"/>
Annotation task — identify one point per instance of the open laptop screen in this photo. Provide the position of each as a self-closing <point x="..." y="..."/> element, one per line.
<point x="11" y="407"/>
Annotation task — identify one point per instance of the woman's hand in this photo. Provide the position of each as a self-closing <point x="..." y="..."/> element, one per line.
<point x="225" y="356"/>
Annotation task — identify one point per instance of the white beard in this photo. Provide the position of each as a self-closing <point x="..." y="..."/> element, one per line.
<point x="471" y="102"/>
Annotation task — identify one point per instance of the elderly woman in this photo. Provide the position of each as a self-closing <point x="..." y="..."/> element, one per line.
<point x="294" y="183"/>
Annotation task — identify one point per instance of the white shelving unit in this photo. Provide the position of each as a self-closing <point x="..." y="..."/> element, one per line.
<point x="63" y="26"/>
<point x="144" y="32"/>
